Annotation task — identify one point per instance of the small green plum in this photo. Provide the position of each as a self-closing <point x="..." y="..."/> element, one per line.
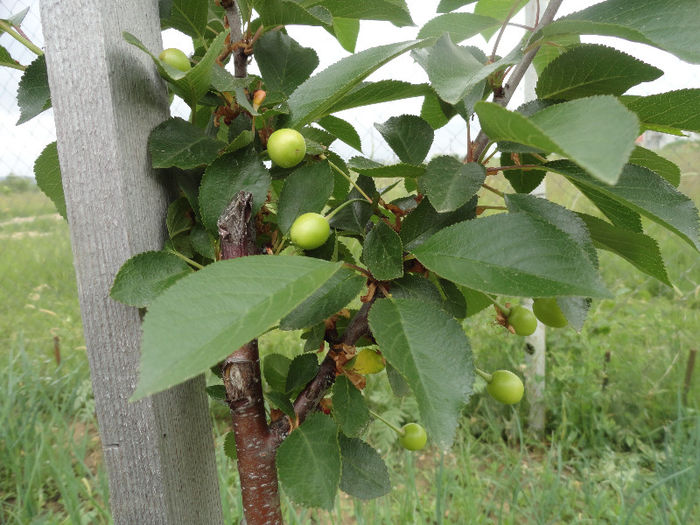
<point x="309" y="231"/>
<point x="548" y="312"/>
<point x="413" y="436"/>
<point x="286" y="147"/>
<point x="175" y="58"/>
<point x="522" y="320"/>
<point x="505" y="387"/>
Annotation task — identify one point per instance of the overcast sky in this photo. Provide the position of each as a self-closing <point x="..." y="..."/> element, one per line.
<point x="22" y="144"/>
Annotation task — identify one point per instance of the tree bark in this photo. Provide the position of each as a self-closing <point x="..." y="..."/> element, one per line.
<point x="243" y="382"/>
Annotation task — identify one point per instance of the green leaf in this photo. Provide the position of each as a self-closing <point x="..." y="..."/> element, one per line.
<point x="669" y="25"/>
<point x="197" y="321"/>
<point x="349" y="408"/>
<point x="147" y="275"/>
<point x="498" y="9"/>
<point x="307" y="189"/>
<point x="409" y="136"/>
<point x="424" y="221"/>
<point x="176" y="142"/>
<point x="330" y="298"/>
<point x="656" y="163"/>
<point x="364" y="475"/>
<point x="191" y="85"/>
<point x="454" y="71"/>
<point x="522" y="180"/>
<point x="302" y="369"/>
<point x="180" y="217"/>
<point x="450" y="184"/>
<point x="394" y="11"/>
<point x="382" y="252"/>
<point x="225" y="177"/>
<point x="368" y="93"/>
<point x="341" y="129"/>
<point x="275" y="370"/>
<point x="413" y="286"/>
<point x="552" y="48"/>
<point x="345" y="31"/>
<point x="217" y="393"/>
<point x="281" y="402"/>
<point x="566" y="220"/>
<point x="188" y="17"/>
<point x="638" y="249"/>
<point x="454" y="302"/>
<point x="459" y="26"/>
<point x="430" y="350"/>
<point x="476" y="301"/>
<point x="283" y="63"/>
<point x="17" y="19"/>
<point x="202" y="242"/>
<point x="5" y="57"/>
<point x="675" y="109"/>
<point x="511" y="254"/>
<point x="33" y="95"/>
<point x="291" y="12"/>
<point x="315" y="97"/>
<point x="375" y="170"/>
<point x="47" y="172"/>
<point x="608" y="127"/>
<point x="445" y="6"/>
<point x="230" y="446"/>
<point x="354" y="217"/>
<point x="618" y="215"/>
<point x="592" y="69"/>
<point x="436" y="112"/>
<point x="308" y="462"/>
<point x="644" y="192"/>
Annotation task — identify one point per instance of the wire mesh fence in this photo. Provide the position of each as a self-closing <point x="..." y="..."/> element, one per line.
<point x="20" y="145"/>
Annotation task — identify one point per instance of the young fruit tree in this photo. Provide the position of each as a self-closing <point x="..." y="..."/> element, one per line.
<point x="376" y="264"/>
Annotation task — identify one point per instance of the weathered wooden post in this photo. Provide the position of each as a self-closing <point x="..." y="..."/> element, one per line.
<point x="107" y="96"/>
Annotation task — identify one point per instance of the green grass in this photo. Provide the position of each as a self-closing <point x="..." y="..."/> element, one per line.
<point x="620" y="447"/>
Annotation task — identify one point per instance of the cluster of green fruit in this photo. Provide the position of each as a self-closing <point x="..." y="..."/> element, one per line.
<point x="544" y="309"/>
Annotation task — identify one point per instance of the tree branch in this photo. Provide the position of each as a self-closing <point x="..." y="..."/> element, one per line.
<point x="243" y="382"/>
<point x="517" y="75"/>
<point x="310" y="397"/>
<point x="233" y="16"/>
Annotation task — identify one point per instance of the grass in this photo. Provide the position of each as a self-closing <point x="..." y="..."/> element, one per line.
<point x="621" y="445"/>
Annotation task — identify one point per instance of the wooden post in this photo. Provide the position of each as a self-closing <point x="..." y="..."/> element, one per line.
<point x="535" y="360"/>
<point x="107" y="97"/>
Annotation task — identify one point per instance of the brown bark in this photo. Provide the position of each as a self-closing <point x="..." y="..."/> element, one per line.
<point x="243" y="382"/>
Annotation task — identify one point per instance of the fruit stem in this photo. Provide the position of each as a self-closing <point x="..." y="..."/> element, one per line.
<point x="187" y="259"/>
<point x="505" y="311"/>
<point x="392" y="427"/>
<point x="487" y="377"/>
<point x="336" y="210"/>
<point x="336" y="168"/>
<point x="20" y="38"/>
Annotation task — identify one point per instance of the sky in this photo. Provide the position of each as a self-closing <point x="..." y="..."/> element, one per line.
<point x="20" y="145"/>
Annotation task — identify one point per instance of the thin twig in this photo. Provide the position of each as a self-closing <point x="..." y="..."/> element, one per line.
<point x="503" y="28"/>
<point x="518" y="73"/>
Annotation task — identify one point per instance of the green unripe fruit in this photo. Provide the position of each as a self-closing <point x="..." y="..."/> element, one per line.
<point x="548" y="312"/>
<point x="413" y="437"/>
<point x="175" y="58"/>
<point x="522" y="320"/>
<point x="286" y="147"/>
<point x="309" y="231"/>
<point x="505" y="387"/>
